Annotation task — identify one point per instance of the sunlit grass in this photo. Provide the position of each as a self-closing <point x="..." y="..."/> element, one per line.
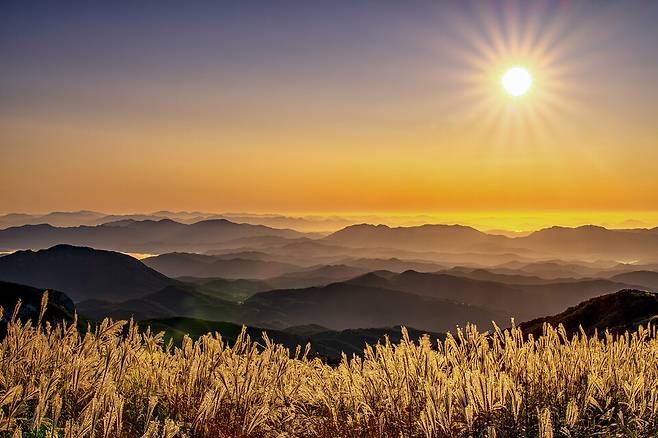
<point x="117" y="381"/>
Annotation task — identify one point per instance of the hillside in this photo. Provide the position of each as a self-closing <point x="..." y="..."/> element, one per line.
<point x="521" y="301"/>
<point x="315" y="276"/>
<point x="228" y="289"/>
<point x="60" y="307"/>
<point x="199" y="265"/>
<point x="646" y="279"/>
<point x="487" y="275"/>
<point x="617" y="312"/>
<point x="549" y="269"/>
<point x="177" y="327"/>
<point x="343" y="305"/>
<point x="83" y="273"/>
<point x="177" y="300"/>
<point x="327" y="343"/>
<point x="332" y="343"/>
<point x="507" y="298"/>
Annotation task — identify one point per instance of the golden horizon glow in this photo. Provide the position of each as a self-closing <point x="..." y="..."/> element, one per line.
<point x="409" y="117"/>
<point x="521" y="221"/>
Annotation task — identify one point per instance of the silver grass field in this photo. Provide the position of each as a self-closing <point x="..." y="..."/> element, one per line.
<point x="119" y="381"/>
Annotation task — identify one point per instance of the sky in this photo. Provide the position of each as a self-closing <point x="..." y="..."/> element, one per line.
<point x="330" y="107"/>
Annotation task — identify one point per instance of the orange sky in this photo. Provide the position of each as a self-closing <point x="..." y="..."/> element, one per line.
<point x="407" y="118"/>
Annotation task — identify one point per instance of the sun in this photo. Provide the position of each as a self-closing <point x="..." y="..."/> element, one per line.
<point x="516" y="81"/>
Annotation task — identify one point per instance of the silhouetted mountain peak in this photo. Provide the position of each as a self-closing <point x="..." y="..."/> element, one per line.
<point x="82" y="272"/>
<point x="119" y="223"/>
<point x="373" y="276"/>
<point x="556" y="229"/>
<point x="423" y="237"/>
<point x="591" y="227"/>
<point x="365" y="226"/>
<point x="73" y="248"/>
<point x="213" y="222"/>
<point x="61" y="248"/>
<point x="409" y="273"/>
<point x="34" y="227"/>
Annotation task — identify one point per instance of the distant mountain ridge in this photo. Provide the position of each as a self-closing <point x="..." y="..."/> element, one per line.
<point x="145" y="236"/>
<point x="594" y="241"/>
<point x="520" y="301"/>
<point x="441" y="243"/>
<point x="91" y="218"/>
<point x="585" y="241"/>
<point x="340" y="306"/>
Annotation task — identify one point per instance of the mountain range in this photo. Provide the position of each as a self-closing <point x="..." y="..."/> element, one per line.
<point x="107" y="283"/>
<point x="434" y="243"/>
<point x="326" y="343"/>
<point x="146" y="236"/>
<point x="521" y="301"/>
<point x="586" y="241"/>
<point x="90" y="218"/>
<point x="617" y="313"/>
<point x="199" y="273"/>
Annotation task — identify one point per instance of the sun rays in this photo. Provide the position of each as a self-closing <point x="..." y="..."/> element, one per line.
<point x="538" y="46"/>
